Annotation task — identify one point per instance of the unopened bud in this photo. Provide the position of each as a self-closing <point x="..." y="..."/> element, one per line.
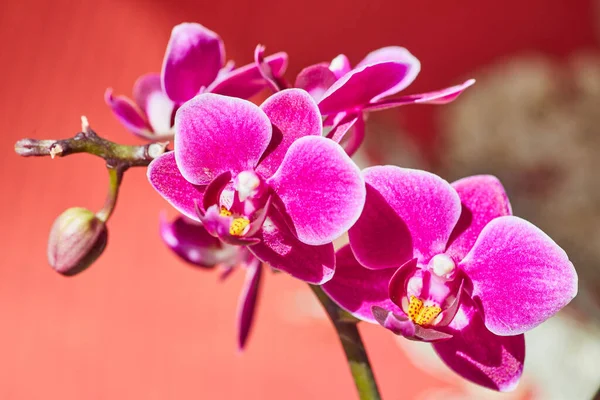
<point x="77" y="239"/>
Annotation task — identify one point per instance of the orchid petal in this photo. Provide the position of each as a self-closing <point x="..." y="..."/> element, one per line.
<point x="380" y="238"/>
<point x="315" y="79"/>
<point x="478" y="355"/>
<point x="165" y="177"/>
<point x="219" y="226"/>
<point x="148" y="94"/>
<point x="357" y="289"/>
<point x="294" y="114"/>
<point x="361" y="85"/>
<point x="340" y="66"/>
<point x="215" y="134"/>
<point x="190" y="241"/>
<point x="129" y="115"/>
<point x="193" y="59"/>
<point x="247" y="81"/>
<point x="321" y="188"/>
<point x="483" y="198"/>
<point x="520" y="275"/>
<point x="443" y="96"/>
<point x="248" y="301"/>
<point x="283" y="251"/>
<point x="427" y="205"/>
<point x="398" y="324"/>
<point x="396" y="54"/>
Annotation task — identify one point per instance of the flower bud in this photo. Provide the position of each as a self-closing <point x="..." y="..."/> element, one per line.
<point x="77" y="239"/>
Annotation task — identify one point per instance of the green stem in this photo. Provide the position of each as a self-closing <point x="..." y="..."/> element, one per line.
<point x="115" y="175"/>
<point x="347" y="330"/>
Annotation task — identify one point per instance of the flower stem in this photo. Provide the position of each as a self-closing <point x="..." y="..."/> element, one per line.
<point x="347" y="330"/>
<point x="89" y="142"/>
<point x="115" y="175"/>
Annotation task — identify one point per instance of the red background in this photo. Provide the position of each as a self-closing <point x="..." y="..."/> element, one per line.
<point x="140" y="324"/>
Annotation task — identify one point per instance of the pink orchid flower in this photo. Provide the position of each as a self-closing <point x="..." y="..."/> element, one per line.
<point x="194" y="63"/>
<point x="345" y="93"/>
<point x="449" y="264"/>
<point x="263" y="177"/>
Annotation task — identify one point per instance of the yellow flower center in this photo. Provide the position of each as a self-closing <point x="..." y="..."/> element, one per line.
<point x="238" y="225"/>
<point x="422" y="315"/>
<point x="225" y="212"/>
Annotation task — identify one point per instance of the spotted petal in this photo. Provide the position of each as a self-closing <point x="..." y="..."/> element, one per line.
<point x="165" y="177"/>
<point x="216" y="134"/>
<point x="520" y="275"/>
<point x="321" y="188"/>
<point x="426" y="204"/>
<point x="357" y="289"/>
<point x="294" y="114"/>
<point x="193" y="59"/>
<point x="478" y="355"/>
<point x="483" y="198"/>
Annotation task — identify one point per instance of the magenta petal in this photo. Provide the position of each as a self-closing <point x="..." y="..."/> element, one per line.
<point x="357" y="289"/>
<point x="315" y="79"/>
<point x="426" y="203"/>
<point x="520" y="275"/>
<point x="247" y="81"/>
<point x="248" y="301"/>
<point x="396" y="54"/>
<point x="340" y="66"/>
<point x="321" y="188"/>
<point x="398" y="324"/>
<point x="479" y="356"/>
<point x="360" y="86"/>
<point x="216" y="134"/>
<point x="165" y="177"/>
<point x="283" y="251"/>
<point x="218" y="225"/>
<point x="483" y="198"/>
<point x="294" y="114"/>
<point x="380" y="238"/>
<point x="190" y="241"/>
<point x="442" y="96"/>
<point x="149" y="96"/>
<point x="129" y="115"/>
<point x="193" y="59"/>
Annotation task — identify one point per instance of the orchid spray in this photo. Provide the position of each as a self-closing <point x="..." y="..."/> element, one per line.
<point x="270" y="187"/>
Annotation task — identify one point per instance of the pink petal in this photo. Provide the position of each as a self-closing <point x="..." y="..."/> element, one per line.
<point x="443" y="96"/>
<point x="283" y="251"/>
<point x="193" y="59"/>
<point x="248" y="301"/>
<point x="380" y="238"/>
<point x="165" y="177"/>
<point x="190" y="241"/>
<point x="357" y="289"/>
<point x="315" y="79"/>
<point x="129" y="115"/>
<point x="478" y="355"/>
<point x="247" y="81"/>
<point x="399" y="324"/>
<point x="520" y="275"/>
<point x="340" y="66"/>
<point x="321" y="188"/>
<point x="428" y="206"/>
<point x="396" y="54"/>
<point x="354" y="139"/>
<point x="293" y="114"/>
<point x="483" y="198"/>
<point x="360" y="86"/>
<point x="148" y="94"/>
<point x="216" y="134"/>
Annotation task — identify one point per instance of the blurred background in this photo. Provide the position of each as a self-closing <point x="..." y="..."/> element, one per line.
<point x="140" y="324"/>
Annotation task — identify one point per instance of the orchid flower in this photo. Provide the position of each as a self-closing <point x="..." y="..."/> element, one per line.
<point x="345" y="93"/>
<point x="190" y="241"/>
<point x="193" y="64"/>
<point x="449" y="264"/>
<point x="263" y="177"/>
